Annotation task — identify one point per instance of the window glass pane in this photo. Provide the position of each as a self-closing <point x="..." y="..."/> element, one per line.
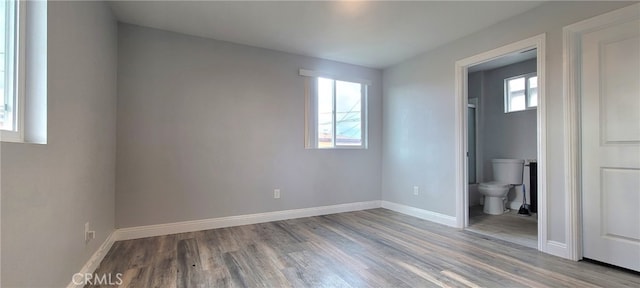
<point x="7" y="52"/>
<point x="516" y="84"/>
<point x="533" y="92"/>
<point x="3" y="40"/>
<point x="325" y="113"/>
<point x="515" y="94"/>
<point x="517" y="101"/>
<point x="348" y="113"/>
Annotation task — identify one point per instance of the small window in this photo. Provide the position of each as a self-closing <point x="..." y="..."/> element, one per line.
<point x="521" y="93"/>
<point x="336" y="114"/>
<point x="10" y="100"/>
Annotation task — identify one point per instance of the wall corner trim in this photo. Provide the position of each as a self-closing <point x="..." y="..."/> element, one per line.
<point x="93" y="262"/>
<point x="421" y="213"/>
<point x="221" y="222"/>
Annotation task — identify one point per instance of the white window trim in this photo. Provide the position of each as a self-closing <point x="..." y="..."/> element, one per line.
<point x="311" y="111"/>
<point x="18" y="134"/>
<point x="526" y="92"/>
<point x="316" y="74"/>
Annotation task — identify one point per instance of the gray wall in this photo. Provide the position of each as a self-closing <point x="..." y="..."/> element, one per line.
<point x="419" y="138"/>
<point x="50" y="191"/>
<point x="209" y="128"/>
<point x="505" y="135"/>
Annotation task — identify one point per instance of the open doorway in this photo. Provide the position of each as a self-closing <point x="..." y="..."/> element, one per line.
<point x="500" y="121"/>
<point x="501" y="126"/>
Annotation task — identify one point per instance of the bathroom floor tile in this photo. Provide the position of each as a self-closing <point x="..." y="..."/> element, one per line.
<point x="509" y="226"/>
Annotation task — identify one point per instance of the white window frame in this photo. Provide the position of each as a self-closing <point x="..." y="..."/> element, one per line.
<point x="311" y="111"/>
<point x="18" y="77"/>
<point x="507" y="99"/>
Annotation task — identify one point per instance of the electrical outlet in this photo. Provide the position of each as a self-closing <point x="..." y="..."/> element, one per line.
<point x="276" y="193"/>
<point x="88" y="234"/>
<point x="416" y="190"/>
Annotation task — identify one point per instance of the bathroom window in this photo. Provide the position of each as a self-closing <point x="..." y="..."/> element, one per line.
<point x="521" y="93"/>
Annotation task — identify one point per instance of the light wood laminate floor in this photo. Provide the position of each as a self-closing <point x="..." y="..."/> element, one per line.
<point x="509" y="226"/>
<point x="371" y="248"/>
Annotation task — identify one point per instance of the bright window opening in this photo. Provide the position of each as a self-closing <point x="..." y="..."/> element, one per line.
<point x="23" y="117"/>
<point x="336" y="114"/>
<point x="8" y="55"/>
<point x="521" y="93"/>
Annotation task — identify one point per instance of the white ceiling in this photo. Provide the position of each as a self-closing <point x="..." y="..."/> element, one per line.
<point x="373" y="34"/>
<point x="505" y="60"/>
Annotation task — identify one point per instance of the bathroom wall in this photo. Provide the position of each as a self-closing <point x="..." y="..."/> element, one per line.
<point x="475" y="84"/>
<point x="503" y="135"/>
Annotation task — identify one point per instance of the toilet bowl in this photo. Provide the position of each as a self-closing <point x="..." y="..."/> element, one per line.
<point x="495" y="196"/>
<point x="506" y="174"/>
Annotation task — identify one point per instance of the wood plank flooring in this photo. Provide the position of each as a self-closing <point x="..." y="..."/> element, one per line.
<point x="509" y="226"/>
<point x="371" y="248"/>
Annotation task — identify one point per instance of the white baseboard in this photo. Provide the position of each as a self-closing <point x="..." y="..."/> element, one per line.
<point x="93" y="262"/>
<point x="213" y="223"/>
<point x="421" y="213"/>
<point x="556" y="249"/>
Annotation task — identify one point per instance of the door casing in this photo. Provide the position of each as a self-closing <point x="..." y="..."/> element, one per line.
<point x="461" y="102"/>
<point x="571" y="43"/>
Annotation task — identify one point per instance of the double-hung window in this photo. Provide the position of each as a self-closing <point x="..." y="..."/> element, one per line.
<point x="521" y="93"/>
<point x="10" y="71"/>
<point x="336" y="114"/>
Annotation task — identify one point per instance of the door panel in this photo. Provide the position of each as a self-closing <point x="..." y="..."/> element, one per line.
<point x="619" y="195"/>
<point x="621" y="120"/>
<point x="610" y="139"/>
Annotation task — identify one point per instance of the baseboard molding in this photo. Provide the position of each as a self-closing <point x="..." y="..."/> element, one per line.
<point x="213" y="223"/>
<point x="421" y="213"/>
<point x="93" y="262"/>
<point x="556" y="249"/>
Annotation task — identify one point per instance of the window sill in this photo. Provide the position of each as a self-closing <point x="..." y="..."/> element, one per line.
<point x="528" y="109"/>
<point x="11" y="136"/>
<point x="15" y="137"/>
<point x="338" y="148"/>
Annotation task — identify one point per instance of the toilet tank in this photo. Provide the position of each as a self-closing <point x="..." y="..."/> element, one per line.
<point x="508" y="170"/>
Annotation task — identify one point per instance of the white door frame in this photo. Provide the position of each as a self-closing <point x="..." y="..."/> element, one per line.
<point x="461" y="70"/>
<point x="572" y="36"/>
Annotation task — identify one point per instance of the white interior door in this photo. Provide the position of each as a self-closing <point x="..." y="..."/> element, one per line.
<point x="610" y="139"/>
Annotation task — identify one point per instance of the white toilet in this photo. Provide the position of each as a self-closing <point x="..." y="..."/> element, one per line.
<point x="506" y="174"/>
